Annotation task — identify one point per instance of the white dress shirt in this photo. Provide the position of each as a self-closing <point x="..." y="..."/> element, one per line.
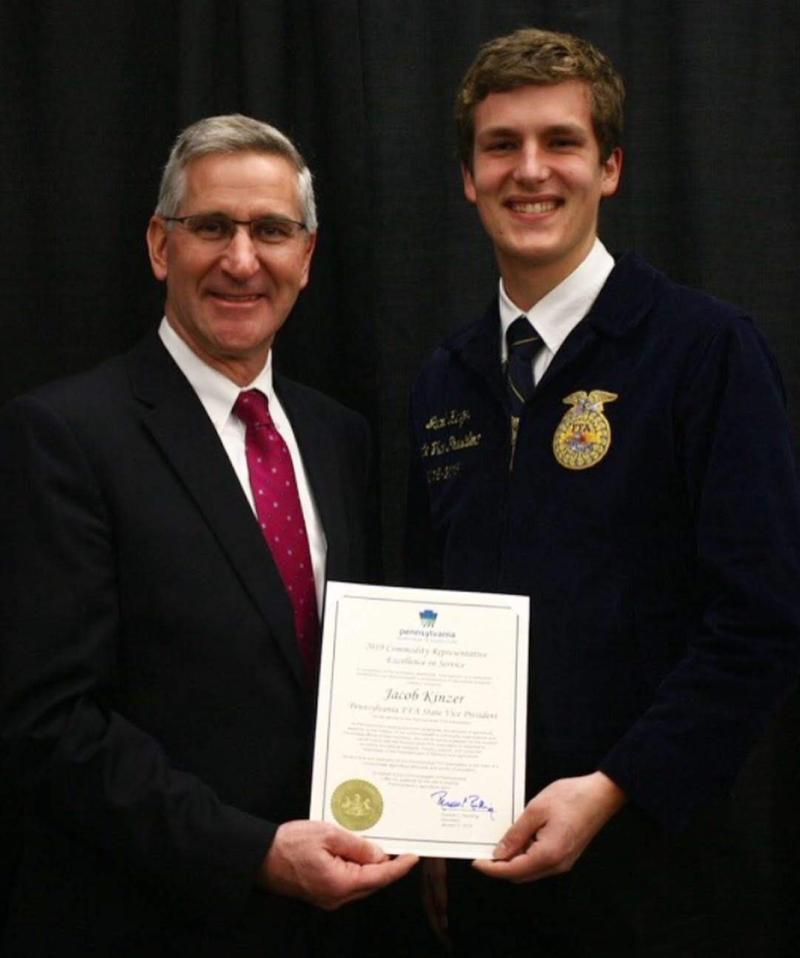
<point x="559" y="312"/>
<point x="218" y="394"/>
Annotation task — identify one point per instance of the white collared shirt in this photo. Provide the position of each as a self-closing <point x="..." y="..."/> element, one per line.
<point x="218" y="394"/>
<point x="559" y="312"/>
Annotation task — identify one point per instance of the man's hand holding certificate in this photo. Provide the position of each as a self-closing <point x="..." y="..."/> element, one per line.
<point x="420" y="742"/>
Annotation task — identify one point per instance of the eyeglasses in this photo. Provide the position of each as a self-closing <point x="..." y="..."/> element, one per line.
<point x="220" y="229"/>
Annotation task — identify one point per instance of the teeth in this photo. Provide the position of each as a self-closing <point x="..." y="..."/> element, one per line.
<point x="545" y="206"/>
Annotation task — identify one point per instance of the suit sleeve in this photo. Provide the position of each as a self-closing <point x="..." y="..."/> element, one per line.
<point x="81" y="766"/>
<point x="733" y="446"/>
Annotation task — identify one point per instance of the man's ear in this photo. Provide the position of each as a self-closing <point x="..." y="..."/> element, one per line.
<point x="309" y="253"/>
<point x="157" y="235"/>
<point x="611" y="172"/>
<point x="469" y="183"/>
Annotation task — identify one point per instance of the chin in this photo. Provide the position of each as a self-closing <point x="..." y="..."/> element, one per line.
<point x="235" y="348"/>
<point x="534" y="255"/>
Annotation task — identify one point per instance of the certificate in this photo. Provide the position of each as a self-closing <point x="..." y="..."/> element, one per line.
<point x="421" y="718"/>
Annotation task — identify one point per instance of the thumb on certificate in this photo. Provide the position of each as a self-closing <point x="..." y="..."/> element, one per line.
<point x="351" y="847"/>
<point x="521" y="833"/>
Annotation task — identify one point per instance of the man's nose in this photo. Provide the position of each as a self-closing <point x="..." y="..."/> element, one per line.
<point x="240" y="258"/>
<point x="532" y="164"/>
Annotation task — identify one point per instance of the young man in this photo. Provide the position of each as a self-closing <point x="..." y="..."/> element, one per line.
<point x="627" y="465"/>
<point x="168" y="522"/>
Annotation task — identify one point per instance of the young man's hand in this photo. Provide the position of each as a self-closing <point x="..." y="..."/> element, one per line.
<point x="554" y="829"/>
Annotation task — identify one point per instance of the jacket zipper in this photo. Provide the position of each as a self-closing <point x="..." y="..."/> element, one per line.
<point x="514" y="434"/>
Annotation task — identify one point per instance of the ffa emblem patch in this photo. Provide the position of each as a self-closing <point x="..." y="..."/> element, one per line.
<point x="583" y="436"/>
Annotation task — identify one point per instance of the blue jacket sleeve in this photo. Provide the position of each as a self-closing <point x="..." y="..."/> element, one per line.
<point x="732" y="438"/>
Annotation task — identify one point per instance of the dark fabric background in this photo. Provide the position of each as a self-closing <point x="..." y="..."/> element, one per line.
<point x="95" y="91"/>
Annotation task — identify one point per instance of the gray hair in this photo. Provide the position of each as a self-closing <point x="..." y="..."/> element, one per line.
<point x="233" y="133"/>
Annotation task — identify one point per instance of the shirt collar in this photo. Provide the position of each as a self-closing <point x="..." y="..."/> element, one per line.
<point x="215" y="391"/>
<point x="559" y="312"/>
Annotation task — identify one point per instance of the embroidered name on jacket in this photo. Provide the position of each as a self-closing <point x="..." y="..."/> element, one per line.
<point x="443" y="444"/>
<point x="453" y="417"/>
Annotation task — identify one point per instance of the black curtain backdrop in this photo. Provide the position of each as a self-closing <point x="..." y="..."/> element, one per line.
<point x="94" y="92"/>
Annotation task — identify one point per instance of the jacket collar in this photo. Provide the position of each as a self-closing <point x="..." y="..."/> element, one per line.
<point x="625" y="299"/>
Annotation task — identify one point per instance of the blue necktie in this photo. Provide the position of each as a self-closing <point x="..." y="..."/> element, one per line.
<point x="523" y="344"/>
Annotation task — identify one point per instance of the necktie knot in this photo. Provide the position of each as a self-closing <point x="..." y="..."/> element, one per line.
<point x="522" y="339"/>
<point x="252" y="407"/>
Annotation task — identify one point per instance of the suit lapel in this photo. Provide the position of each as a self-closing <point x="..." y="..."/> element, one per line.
<point x="180" y="427"/>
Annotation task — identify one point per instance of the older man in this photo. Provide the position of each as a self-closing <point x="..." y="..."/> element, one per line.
<point x="168" y="522"/>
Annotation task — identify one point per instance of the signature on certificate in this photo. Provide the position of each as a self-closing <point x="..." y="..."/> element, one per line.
<point x="473" y="803"/>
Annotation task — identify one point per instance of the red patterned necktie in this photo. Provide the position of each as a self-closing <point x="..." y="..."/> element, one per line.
<point x="281" y="517"/>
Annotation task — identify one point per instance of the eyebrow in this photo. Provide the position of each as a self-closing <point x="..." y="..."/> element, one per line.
<point x="569" y="129"/>
<point x="254" y="219"/>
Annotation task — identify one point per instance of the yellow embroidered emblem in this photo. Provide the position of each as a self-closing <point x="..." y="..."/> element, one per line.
<point x="583" y="436"/>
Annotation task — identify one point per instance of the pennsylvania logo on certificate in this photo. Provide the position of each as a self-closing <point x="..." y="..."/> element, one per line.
<point x="421" y="718"/>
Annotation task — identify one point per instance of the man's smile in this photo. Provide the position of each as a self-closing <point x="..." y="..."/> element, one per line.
<point x="243" y="298"/>
<point x="533" y="206"/>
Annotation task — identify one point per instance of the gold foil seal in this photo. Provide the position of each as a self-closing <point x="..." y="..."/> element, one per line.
<point x="356" y="804"/>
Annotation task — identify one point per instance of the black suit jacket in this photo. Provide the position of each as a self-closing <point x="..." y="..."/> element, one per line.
<point x="154" y="710"/>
